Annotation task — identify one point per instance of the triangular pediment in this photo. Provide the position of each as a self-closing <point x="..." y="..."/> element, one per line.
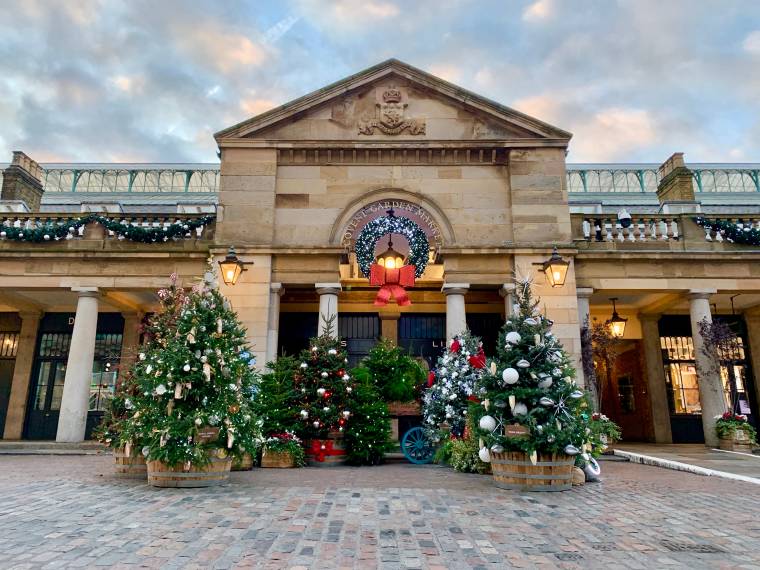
<point x="393" y="101"/>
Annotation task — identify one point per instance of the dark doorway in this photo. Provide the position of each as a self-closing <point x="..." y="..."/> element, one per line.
<point x="423" y="335"/>
<point x="8" y="349"/>
<point x="295" y="331"/>
<point x="360" y="332"/>
<point x="486" y="326"/>
<point x="49" y="372"/>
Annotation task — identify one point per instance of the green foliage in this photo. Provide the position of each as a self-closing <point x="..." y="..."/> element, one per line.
<point x="464" y="456"/>
<point x="287" y="442"/>
<point x="544" y="398"/>
<point x="397" y="375"/>
<point x="443" y="452"/>
<point x="367" y="434"/>
<point x="728" y="424"/>
<point x="603" y="432"/>
<point x="276" y="403"/>
<point x="195" y="372"/>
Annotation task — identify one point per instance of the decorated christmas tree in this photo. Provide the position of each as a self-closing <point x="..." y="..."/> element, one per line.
<point x="367" y="435"/>
<point x="452" y="384"/>
<point x="195" y="380"/>
<point x="323" y="386"/>
<point x="529" y="400"/>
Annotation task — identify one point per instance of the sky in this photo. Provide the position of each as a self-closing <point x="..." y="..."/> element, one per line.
<point x="151" y="81"/>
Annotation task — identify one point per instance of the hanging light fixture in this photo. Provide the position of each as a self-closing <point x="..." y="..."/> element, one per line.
<point x="555" y="269"/>
<point x="616" y="323"/>
<point x="390" y="258"/>
<point x="231" y="267"/>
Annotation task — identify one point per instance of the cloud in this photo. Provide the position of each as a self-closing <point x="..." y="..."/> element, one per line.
<point x="538" y="10"/>
<point x="751" y="43"/>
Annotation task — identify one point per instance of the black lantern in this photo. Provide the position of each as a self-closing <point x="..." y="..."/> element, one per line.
<point x="616" y="323"/>
<point x="555" y="269"/>
<point x="390" y="258"/>
<point x="232" y="267"/>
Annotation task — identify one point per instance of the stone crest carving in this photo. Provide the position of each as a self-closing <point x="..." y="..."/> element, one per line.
<point x="390" y="115"/>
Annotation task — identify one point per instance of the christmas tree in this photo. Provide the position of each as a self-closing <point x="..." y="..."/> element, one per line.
<point x="323" y="387"/>
<point x="452" y="384"/>
<point x="276" y="402"/>
<point x="529" y="400"/>
<point x="196" y="380"/>
<point x="367" y="435"/>
<point x="397" y="376"/>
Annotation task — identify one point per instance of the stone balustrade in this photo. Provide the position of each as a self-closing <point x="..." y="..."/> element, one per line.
<point x="743" y="222"/>
<point x="642" y="228"/>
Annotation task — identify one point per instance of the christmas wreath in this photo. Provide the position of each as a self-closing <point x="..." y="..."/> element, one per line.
<point x="392" y="224"/>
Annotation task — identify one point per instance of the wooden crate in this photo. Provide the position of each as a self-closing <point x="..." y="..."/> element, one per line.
<point x="277" y="459"/>
<point x="129" y="466"/>
<point x="215" y="473"/>
<point x="513" y="470"/>
<point x="245" y="463"/>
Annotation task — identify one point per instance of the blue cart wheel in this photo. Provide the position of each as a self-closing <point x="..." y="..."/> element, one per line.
<point x="417" y="447"/>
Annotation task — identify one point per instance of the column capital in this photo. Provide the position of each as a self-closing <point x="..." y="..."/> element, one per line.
<point x="455" y="288"/>
<point x="276" y="288"/>
<point x="30" y="315"/>
<point x="584" y="292"/>
<point x="327" y="288"/>
<point x="86" y="291"/>
<point x="507" y="289"/>
<point x="700" y="293"/>
<point x="649" y="317"/>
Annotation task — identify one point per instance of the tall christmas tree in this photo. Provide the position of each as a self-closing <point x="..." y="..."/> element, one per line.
<point x="529" y="399"/>
<point x="323" y="386"/>
<point x="196" y="381"/>
<point x="452" y="384"/>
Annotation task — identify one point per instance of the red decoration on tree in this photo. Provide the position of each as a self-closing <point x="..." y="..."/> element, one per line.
<point x="392" y="283"/>
<point x="455" y="346"/>
<point x="431" y="378"/>
<point x="478" y="360"/>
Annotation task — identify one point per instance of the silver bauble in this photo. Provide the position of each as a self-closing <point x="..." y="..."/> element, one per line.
<point x="496" y="448"/>
<point x="522" y="363"/>
<point x="570" y="449"/>
<point x="546" y="383"/>
<point x="513" y="337"/>
<point x="576" y="395"/>
<point x="544" y="401"/>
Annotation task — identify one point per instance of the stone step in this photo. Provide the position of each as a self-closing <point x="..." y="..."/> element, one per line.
<point x="52" y="448"/>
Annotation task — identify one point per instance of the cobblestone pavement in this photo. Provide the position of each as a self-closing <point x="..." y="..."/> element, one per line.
<point x="70" y="512"/>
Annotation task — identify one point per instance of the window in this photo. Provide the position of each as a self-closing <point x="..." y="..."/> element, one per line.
<point x="681" y="374"/>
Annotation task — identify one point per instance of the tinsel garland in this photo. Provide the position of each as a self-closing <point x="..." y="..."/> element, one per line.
<point x="731" y="231"/>
<point x="65" y="229"/>
<point x="391" y="224"/>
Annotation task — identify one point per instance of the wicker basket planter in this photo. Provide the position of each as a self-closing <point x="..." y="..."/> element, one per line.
<point x="277" y="459"/>
<point x="244" y="463"/>
<point x="325" y="452"/>
<point x="514" y="470"/>
<point x="215" y="473"/>
<point x="740" y="441"/>
<point x="129" y="466"/>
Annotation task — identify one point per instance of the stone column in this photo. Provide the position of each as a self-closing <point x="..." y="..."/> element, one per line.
<point x="328" y="308"/>
<point x="708" y="372"/>
<point x="656" y="385"/>
<point x="752" y="320"/>
<point x="273" y="332"/>
<point x="389" y="323"/>
<point x="456" y="316"/>
<point x="75" y="402"/>
<point x="508" y="292"/>
<point x="130" y="341"/>
<point x="584" y="319"/>
<point x="22" y="374"/>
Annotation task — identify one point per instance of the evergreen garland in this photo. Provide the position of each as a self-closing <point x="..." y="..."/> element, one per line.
<point x="392" y="224"/>
<point x="731" y="232"/>
<point x="65" y="229"/>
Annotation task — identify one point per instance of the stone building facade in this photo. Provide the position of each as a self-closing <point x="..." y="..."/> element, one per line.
<point x="488" y="185"/>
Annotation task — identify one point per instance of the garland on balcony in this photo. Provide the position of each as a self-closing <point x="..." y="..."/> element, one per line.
<point x="66" y="229"/>
<point x="731" y="231"/>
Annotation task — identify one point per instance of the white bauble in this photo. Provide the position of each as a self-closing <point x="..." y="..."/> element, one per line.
<point x="496" y="448"/>
<point x="324" y="375"/>
<point x="485" y="455"/>
<point x="304" y="414"/>
<point x="513" y="337"/>
<point x="487" y="423"/>
<point x="332" y="351"/>
<point x="545" y="383"/>
<point x="160" y="389"/>
<point x="510" y="376"/>
<point x="520" y="409"/>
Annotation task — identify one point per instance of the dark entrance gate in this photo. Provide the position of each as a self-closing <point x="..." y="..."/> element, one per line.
<point x="49" y="372"/>
<point x="423" y="335"/>
<point x="487" y="327"/>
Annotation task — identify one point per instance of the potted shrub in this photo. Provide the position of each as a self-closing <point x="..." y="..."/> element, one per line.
<point x="605" y="431"/>
<point x="192" y="412"/>
<point x="532" y="420"/>
<point x="735" y="433"/>
<point x="283" y="451"/>
<point x="397" y="376"/>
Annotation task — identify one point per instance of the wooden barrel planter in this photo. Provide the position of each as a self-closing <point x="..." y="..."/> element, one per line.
<point x="129" y="466"/>
<point x="513" y="470"/>
<point x="325" y="452"/>
<point x="215" y="473"/>
<point x="739" y="442"/>
<point x="244" y="463"/>
<point x="277" y="459"/>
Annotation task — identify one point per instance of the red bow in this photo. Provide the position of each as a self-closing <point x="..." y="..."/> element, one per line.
<point x="455" y="346"/>
<point x="478" y="360"/>
<point x="321" y="448"/>
<point x="391" y="283"/>
<point x="431" y="378"/>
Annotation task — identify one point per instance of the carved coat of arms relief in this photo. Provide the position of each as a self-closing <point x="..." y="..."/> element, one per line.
<point x="390" y="115"/>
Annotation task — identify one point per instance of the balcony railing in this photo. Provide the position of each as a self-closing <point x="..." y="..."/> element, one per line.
<point x="650" y="227"/>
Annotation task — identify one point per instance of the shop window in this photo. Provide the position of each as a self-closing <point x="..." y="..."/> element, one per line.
<point x="8" y="344"/>
<point x="105" y="370"/>
<point x="681" y="374"/>
<point x="626" y="395"/>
